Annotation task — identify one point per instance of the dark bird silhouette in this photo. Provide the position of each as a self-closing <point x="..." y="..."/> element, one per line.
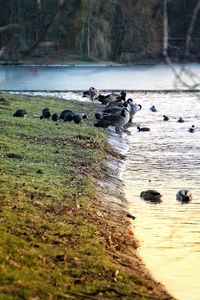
<point x="191" y="129"/>
<point x="165" y="118"/>
<point x="184" y="196"/>
<point x="68" y="117"/>
<point x="20" y="113"/>
<point x="143" y="128"/>
<point x="54" y="117"/>
<point x="180" y="120"/>
<point x="77" y="118"/>
<point x="63" y="113"/>
<point x="45" y="113"/>
<point x="84" y="116"/>
<point x="151" y="195"/>
<point x="153" y="109"/>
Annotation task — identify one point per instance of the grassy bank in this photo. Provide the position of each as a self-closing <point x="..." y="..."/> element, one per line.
<point x="57" y="239"/>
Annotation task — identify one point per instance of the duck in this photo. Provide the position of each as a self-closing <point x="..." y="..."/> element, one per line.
<point x="192" y="129"/>
<point x="143" y="128"/>
<point x="92" y="94"/>
<point x="180" y="120"/>
<point x="77" y="118"/>
<point x="63" y="113"/>
<point x="68" y="117"/>
<point x="151" y="195"/>
<point x="118" y="120"/>
<point x="20" y="113"/>
<point x="54" y="117"/>
<point x="165" y="118"/>
<point x="184" y="196"/>
<point x="153" y="109"/>
<point x="45" y="113"/>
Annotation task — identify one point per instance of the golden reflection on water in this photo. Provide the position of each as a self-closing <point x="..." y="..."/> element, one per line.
<point x="167" y="159"/>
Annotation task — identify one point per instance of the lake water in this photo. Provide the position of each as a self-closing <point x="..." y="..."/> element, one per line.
<point x="67" y="78"/>
<point x="166" y="159"/>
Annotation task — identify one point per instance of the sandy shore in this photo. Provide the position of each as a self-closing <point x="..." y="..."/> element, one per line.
<point x="121" y="242"/>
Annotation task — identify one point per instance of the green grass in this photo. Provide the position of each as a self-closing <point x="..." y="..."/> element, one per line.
<point x="53" y="245"/>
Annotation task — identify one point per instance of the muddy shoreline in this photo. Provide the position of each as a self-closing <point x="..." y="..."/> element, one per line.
<point x="113" y="206"/>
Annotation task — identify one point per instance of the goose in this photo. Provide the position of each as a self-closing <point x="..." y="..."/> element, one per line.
<point x="151" y="195"/>
<point x="184" y="196"/>
<point x="191" y="129"/>
<point x="20" y="113"/>
<point x="143" y="128"/>
<point x="115" y="109"/>
<point x="153" y="109"/>
<point x="180" y="120"/>
<point x="134" y="107"/>
<point x="107" y="98"/>
<point x="118" y="120"/>
<point x="102" y="123"/>
<point x="165" y="118"/>
<point x="92" y="94"/>
<point x="45" y="113"/>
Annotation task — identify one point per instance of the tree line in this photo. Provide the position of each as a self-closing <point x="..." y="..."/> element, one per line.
<point x="124" y="31"/>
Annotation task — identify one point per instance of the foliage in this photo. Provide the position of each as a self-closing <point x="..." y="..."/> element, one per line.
<point x="92" y="29"/>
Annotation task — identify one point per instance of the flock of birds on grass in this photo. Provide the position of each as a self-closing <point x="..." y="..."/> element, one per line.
<point x="118" y="113"/>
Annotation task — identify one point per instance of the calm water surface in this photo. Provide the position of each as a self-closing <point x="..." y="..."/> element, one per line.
<point x="167" y="159"/>
<point x="62" y="78"/>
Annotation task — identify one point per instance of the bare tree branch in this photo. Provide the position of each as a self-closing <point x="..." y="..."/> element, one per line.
<point x="191" y="27"/>
<point x="10" y="27"/>
<point x="184" y="77"/>
<point x="44" y="31"/>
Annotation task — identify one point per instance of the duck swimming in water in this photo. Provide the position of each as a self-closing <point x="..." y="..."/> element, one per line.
<point x="151" y="195"/>
<point x="143" y="128"/>
<point x="165" y="118"/>
<point x="153" y="109"/>
<point x="180" y="120"/>
<point x="184" y="196"/>
<point x="191" y="129"/>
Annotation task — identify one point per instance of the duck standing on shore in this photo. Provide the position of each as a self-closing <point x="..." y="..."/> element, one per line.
<point x="45" y="113"/>
<point x="20" y="113"/>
